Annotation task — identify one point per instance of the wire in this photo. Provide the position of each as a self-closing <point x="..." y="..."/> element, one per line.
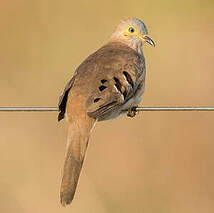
<point x="28" y="109"/>
<point x="158" y="108"/>
<point x="176" y="108"/>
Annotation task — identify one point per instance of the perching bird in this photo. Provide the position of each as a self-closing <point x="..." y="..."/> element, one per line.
<point x="110" y="82"/>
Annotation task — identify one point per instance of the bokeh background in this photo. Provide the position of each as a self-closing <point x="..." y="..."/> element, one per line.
<point x="158" y="162"/>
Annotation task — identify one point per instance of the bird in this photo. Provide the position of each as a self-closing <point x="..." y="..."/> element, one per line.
<point x="108" y="83"/>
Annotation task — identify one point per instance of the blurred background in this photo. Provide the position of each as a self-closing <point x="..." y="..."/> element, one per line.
<point x="157" y="162"/>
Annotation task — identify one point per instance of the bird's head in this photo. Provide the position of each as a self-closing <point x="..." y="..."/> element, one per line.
<point x="132" y="32"/>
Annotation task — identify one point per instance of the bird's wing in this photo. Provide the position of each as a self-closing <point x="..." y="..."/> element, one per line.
<point x="115" y="84"/>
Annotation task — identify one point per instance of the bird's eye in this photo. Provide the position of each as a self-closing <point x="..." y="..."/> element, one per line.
<point x="131" y="29"/>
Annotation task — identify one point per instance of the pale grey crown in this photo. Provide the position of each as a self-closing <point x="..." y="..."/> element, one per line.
<point x="124" y="24"/>
<point x="137" y="23"/>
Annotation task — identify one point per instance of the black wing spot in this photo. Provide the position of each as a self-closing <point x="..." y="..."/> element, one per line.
<point x="124" y="94"/>
<point x="129" y="78"/>
<point x="118" y="84"/>
<point x="96" y="100"/>
<point x="101" y="88"/>
<point x="103" y="81"/>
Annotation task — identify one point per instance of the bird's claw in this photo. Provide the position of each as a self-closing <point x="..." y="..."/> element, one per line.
<point x="132" y="111"/>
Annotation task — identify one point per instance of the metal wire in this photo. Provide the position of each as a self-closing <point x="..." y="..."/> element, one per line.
<point x="149" y="108"/>
<point x="28" y="109"/>
<point x="176" y="108"/>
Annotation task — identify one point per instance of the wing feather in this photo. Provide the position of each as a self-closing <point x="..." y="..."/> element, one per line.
<point x="63" y="99"/>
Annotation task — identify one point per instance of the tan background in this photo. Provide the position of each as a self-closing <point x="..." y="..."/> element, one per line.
<point x="158" y="162"/>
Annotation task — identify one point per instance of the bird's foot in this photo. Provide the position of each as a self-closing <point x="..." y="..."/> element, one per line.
<point x="132" y="111"/>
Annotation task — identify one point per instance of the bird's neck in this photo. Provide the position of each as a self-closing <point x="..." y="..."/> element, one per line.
<point x="139" y="49"/>
<point x="137" y="46"/>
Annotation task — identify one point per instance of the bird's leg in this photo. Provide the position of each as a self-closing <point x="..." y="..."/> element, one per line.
<point x="132" y="111"/>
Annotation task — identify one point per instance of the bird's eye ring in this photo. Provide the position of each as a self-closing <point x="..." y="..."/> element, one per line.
<point x="131" y="29"/>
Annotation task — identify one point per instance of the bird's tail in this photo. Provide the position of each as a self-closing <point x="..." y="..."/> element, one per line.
<point x="77" y="142"/>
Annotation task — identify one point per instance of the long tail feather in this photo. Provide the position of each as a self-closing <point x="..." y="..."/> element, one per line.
<point x="77" y="142"/>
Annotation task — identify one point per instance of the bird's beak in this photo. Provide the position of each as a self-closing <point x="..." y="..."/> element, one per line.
<point x="147" y="39"/>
